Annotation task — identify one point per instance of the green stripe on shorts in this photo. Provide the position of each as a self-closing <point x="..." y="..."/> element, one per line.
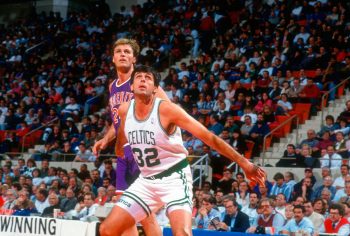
<point x="185" y="199"/>
<point x="144" y="206"/>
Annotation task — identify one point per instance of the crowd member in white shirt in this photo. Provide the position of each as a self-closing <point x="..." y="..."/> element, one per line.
<point x="41" y="201"/>
<point x="87" y="208"/>
<point x="343" y="194"/>
<point x="251" y="209"/>
<point x="332" y="159"/>
<point x="340" y="181"/>
<point x="249" y="112"/>
<point x="280" y="204"/>
<point x="316" y="218"/>
<point x="84" y="154"/>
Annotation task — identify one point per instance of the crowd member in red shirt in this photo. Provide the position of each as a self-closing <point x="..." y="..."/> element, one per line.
<point x="336" y="223"/>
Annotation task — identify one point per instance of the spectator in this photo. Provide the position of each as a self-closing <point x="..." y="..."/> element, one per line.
<point x="332" y="159"/>
<point x="343" y="195"/>
<point x="206" y="213"/>
<point x="289" y="158"/>
<point x="24" y="206"/>
<point x="281" y="187"/>
<point x="283" y="105"/>
<point x="280" y="204"/>
<point x="238" y="142"/>
<point x="87" y="209"/>
<point x="251" y="209"/>
<point x="234" y="220"/>
<point x="340" y="145"/>
<point x="242" y="195"/>
<point x="264" y="101"/>
<point x="72" y="109"/>
<point x="10" y="203"/>
<point x="267" y="218"/>
<point x="316" y="218"/>
<point x="323" y="143"/>
<point x="340" y="181"/>
<point x="336" y="223"/>
<point x="328" y="125"/>
<point x="101" y="198"/>
<point x="215" y="126"/>
<point x="257" y="134"/>
<point x="327" y="184"/>
<point x="303" y="189"/>
<point x="54" y="204"/>
<point x="299" y="222"/>
<point x="41" y="201"/>
<point x="109" y="172"/>
<point x="248" y="112"/>
<point x="225" y="182"/>
<point x="311" y="140"/>
<point x="289" y="214"/>
<point x="68" y="203"/>
<point x="84" y="155"/>
<point x="295" y="90"/>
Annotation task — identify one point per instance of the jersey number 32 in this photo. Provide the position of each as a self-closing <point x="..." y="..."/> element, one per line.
<point x="148" y="157"/>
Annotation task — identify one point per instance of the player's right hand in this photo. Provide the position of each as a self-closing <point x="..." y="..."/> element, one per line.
<point x="98" y="146"/>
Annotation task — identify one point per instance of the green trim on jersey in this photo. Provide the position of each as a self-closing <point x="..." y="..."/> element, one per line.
<point x="160" y="123"/>
<point x="134" y="113"/>
<point x="143" y="205"/>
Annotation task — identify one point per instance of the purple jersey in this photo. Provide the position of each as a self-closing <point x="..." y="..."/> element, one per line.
<point x="127" y="169"/>
<point x="118" y="95"/>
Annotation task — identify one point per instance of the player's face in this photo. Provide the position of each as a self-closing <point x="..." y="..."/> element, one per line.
<point x="143" y="83"/>
<point x="123" y="57"/>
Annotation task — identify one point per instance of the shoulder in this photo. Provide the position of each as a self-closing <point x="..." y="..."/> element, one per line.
<point x="124" y="108"/>
<point x="167" y="106"/>
<point x="242" y="215"/>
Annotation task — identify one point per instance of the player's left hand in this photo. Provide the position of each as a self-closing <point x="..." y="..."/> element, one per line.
<point x="256" y="174"/>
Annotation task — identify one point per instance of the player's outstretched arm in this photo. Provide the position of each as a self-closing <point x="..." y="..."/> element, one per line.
<point x="172" y="114"/>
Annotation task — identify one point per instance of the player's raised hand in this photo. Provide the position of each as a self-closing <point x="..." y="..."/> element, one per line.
<point x="98" y="146"/>
<point x="255" y="173"/>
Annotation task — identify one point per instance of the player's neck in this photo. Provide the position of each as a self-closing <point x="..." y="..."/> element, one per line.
<point x="124" y="75"/>
<point x="143" y="106"/>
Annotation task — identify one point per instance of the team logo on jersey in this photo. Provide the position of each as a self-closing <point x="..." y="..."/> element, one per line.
<point x="115" y="115"/>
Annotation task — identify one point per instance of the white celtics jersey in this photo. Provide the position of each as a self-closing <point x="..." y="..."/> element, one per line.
<point x="154" y="150"/>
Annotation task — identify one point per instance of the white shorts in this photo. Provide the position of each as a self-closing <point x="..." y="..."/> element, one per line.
<point x="148" y="195"/>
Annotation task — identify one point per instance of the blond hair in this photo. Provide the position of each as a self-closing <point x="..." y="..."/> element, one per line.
<point x="131" y="42"/>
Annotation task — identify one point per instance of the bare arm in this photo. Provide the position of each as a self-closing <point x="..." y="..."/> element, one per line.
<point x="161" y="94"/>
<point x="173" y="114"/>
<point x="121" y="140"/>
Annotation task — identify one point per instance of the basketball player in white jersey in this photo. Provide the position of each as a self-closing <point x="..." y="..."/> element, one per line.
<point x="125" y="52"/>
<point x="152" y="127"/>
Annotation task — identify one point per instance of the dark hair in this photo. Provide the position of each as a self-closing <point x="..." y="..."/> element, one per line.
<point x="299" y="207"/>
<point x="347" y="167"/>
<point x="43" y="192"/>
<point x="278" y="176"/>
<point x="210" y="199"/>
<point x="241" y="174"/>
<point x="330" y="117"/>
<point x="146" y="69"/>
<point x="339" y="207"/>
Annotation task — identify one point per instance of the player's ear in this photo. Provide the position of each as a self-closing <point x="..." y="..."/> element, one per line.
<point x="132" y="87"/>
<point x="133" y="60"/>
<point x="155" y="90"/>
